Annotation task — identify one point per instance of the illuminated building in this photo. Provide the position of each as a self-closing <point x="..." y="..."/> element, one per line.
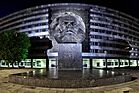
<point x="111" y="37"/>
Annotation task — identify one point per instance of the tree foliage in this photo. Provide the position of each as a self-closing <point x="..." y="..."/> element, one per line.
<point x="13" y="46"/>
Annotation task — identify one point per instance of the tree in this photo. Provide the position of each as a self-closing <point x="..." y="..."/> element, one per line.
<point x="13" y="46"/>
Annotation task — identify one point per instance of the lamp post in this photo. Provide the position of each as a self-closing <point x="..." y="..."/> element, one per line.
<point x="136" y="59"/>
<point x="47" y="59"/>
<point x="106" y="58"/>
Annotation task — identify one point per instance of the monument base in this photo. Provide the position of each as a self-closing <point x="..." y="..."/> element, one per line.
<point x="70" y="57"/>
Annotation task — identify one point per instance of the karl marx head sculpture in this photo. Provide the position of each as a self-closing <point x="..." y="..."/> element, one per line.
<point x="67" y="27"/>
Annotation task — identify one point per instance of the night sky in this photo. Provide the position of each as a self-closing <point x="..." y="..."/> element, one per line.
<point x="128" y="6"/>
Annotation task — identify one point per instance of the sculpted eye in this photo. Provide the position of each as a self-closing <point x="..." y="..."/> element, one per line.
<point x="72" y="23"/>
<point x="65" y="23"/>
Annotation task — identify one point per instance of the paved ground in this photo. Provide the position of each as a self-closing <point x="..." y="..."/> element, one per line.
<point x="6" y="87"/>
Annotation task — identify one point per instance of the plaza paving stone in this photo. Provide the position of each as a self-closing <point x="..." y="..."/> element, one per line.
<point x="6" y="87"/>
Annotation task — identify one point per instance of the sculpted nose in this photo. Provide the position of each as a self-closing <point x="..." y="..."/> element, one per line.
<point x="69" y="25"/>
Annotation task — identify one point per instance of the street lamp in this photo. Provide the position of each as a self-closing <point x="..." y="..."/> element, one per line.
<point x="106" y="58"/>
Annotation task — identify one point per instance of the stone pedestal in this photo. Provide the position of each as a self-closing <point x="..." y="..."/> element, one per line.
<point x="70" y="56"/>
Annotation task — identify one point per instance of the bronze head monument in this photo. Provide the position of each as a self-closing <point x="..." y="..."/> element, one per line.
<point x="67" y="27"/>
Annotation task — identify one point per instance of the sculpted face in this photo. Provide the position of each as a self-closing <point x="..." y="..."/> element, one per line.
<point x="67" y="27"/>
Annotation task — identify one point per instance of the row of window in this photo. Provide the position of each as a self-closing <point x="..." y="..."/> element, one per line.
<point x="33" y="25"/>
<point x="125" y="33"/>
<point x="116" y="63"/>
<point x="111" y="38"/>
<point x="105" y="31"/>
<point x="114" y="22"/>
<point x="35" y="19"/>
<point x="26" y="11"/>
<point x="37" y="31"/>
<point x="118" y="28"/>
<point x="100" y="37"/>
<point x="27" y="21"/>
<point x="110" y="52"/>
<point x="99" y="18"/>
<point x="38" y="64"/>
<point x="115" y="16"/>
<point x="103" y="44"/>
<point x="23" y="17"/>
<point x="24" y="27"/>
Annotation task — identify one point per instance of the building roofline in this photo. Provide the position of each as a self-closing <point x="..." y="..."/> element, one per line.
<point x="68" y="4"/>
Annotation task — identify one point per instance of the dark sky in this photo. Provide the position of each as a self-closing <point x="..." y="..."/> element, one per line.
<point x="128" y="6"/>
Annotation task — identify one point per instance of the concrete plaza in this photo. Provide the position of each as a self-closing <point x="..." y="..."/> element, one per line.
<point x="6" y="87"/>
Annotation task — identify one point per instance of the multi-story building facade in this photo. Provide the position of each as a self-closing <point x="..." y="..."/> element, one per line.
<point x="111" y="36"/>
